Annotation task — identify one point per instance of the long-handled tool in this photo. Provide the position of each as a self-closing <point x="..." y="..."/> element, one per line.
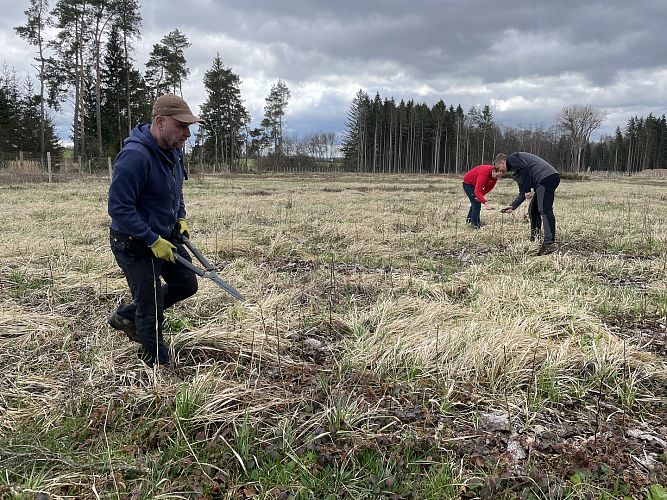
<point x="208" y="271"/>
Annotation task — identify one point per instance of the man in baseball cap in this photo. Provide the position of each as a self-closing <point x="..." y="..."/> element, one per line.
<point x="176" y="107"/>
<point x="147" y="223"/>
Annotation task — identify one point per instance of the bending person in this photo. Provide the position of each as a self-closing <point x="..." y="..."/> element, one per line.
<point x="476" y="183"/>
<point x="537" y="181"/>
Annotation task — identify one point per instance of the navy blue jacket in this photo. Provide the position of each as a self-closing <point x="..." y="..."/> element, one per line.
<point x="146" y="192"/>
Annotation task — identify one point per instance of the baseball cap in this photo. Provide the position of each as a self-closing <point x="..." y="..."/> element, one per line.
<point x="176" y="107"/>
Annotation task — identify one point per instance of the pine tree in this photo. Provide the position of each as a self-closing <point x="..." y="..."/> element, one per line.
<point x="166" y="67"/>
<point x="128" y="23"/>
<point x="103" y="17"/>
<point x="354" y="140"/>
<point x="119" y="115"/>
<point x="69" y="66"/>
<point x="33" y="33"/>
<point x="274" y="112"/>
<point x="661" y="160"/>
<point x="9" y="113"/>
<point x="438" y="113"/>
<point x="486" y="125"/>
<point x="20" y="118"/>
<point x="113" y="97"/>
<point x="225" y="115"/>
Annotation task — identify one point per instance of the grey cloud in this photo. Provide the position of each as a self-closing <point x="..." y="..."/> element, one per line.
<point x="434" y="40"/>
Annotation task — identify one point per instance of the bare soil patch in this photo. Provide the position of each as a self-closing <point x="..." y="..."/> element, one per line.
<point x="648" y="334"/>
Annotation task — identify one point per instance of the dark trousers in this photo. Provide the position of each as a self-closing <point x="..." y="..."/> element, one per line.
<point x="150" y="297"/>
<point x="475" y="206"/>
<point x="541" y="209"/>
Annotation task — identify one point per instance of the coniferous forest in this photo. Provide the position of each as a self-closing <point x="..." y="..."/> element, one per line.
<point x="383" y="136"/>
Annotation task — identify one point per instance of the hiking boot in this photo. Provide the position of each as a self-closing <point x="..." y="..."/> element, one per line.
<point x="547" y="248"/>
<point x="116" y="321"/>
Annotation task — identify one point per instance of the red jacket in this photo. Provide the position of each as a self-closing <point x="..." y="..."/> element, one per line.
<point x="480" y="177"/>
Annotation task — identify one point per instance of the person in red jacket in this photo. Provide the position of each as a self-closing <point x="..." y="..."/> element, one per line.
<point x="476" y="183"/>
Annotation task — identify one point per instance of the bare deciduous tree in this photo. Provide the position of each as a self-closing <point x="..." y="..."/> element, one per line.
<point x="580" y="121"/>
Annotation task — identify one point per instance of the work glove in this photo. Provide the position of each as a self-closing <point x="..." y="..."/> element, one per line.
<point x="162" y="249"/>
<point x="182" y="229"/>
<point x="507" y="210"/>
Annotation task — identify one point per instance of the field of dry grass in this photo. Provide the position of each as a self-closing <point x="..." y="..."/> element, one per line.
<point x="385" y="349"/>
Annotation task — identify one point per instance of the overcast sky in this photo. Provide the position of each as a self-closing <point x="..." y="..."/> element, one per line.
<point x="526" y="59"/>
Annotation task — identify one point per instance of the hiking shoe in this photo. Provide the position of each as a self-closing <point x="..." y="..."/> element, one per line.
<point x="116" y="321"/>
<point x="547" y="248"/>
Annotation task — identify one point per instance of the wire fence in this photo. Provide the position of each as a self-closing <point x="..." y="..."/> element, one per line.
<point x="31" y="167"/>
<point x="23" y="167"/>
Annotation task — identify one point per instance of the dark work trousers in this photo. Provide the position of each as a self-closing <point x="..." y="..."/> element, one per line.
<point x="150" y="297"/>
<point x="541" y="209"/>
<point x="475" y="206"/>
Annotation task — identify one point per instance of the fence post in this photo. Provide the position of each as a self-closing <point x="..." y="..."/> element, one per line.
<point x="48" y="164"/>
<point x="80" y="166"/>
<point x="110" y="167"/>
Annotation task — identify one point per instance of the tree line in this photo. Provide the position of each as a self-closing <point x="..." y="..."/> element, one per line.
<point x="84" y="58"/>
<point x="410" y="137"/>
<point x="20" y="126"/>
<point x="641" y="145"/>
<point x="88" y="63"/>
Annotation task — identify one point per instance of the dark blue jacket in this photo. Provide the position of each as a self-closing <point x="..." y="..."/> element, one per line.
<point x="146" y="192"/>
